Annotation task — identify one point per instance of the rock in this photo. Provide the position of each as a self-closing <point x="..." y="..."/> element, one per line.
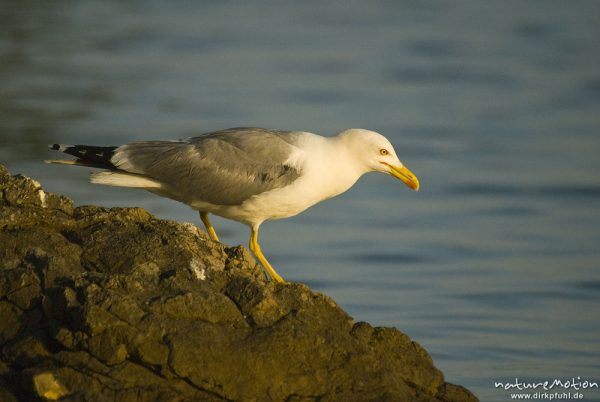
<point x="106" y="304"/>
<point x="47" y="386"/>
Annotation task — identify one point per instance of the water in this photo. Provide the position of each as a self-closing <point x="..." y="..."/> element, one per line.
<point x="493" y="266"/>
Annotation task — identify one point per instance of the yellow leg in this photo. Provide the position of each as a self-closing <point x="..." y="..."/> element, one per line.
<point x="255" y="247"/>
<point x="209" y="226"/>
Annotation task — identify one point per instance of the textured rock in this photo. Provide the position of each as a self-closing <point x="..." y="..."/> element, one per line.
<point x="102" y="304"/>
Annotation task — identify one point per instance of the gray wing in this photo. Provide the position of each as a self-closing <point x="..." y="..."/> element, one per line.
<point x="223" y="167"/>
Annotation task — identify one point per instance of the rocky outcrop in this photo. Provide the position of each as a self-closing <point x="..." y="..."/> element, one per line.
<point x="102" y="304"/>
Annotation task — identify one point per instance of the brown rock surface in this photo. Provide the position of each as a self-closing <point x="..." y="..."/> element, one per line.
<point x="102" y="304"/>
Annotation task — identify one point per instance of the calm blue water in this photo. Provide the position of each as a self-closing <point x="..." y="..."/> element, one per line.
<point x="494" y="266"/>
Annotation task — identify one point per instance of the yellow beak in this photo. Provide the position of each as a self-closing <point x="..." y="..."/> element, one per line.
<point x="405" y="175"/>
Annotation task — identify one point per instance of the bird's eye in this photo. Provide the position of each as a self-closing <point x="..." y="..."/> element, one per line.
<point x="383" y="152"/>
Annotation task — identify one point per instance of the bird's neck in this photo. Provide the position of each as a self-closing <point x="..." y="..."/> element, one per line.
<point x="339" y="166"/>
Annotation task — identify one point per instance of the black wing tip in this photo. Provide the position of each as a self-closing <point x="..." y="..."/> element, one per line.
<point x="59" y="147"/>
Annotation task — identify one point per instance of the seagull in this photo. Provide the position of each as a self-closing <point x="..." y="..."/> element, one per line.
<point x="246" y="174"/>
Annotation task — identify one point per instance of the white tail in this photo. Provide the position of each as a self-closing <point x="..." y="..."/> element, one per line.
<point x="120" y="179"/>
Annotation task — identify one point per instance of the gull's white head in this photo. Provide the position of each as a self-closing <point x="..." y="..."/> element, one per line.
<point x="377" y="154"/>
